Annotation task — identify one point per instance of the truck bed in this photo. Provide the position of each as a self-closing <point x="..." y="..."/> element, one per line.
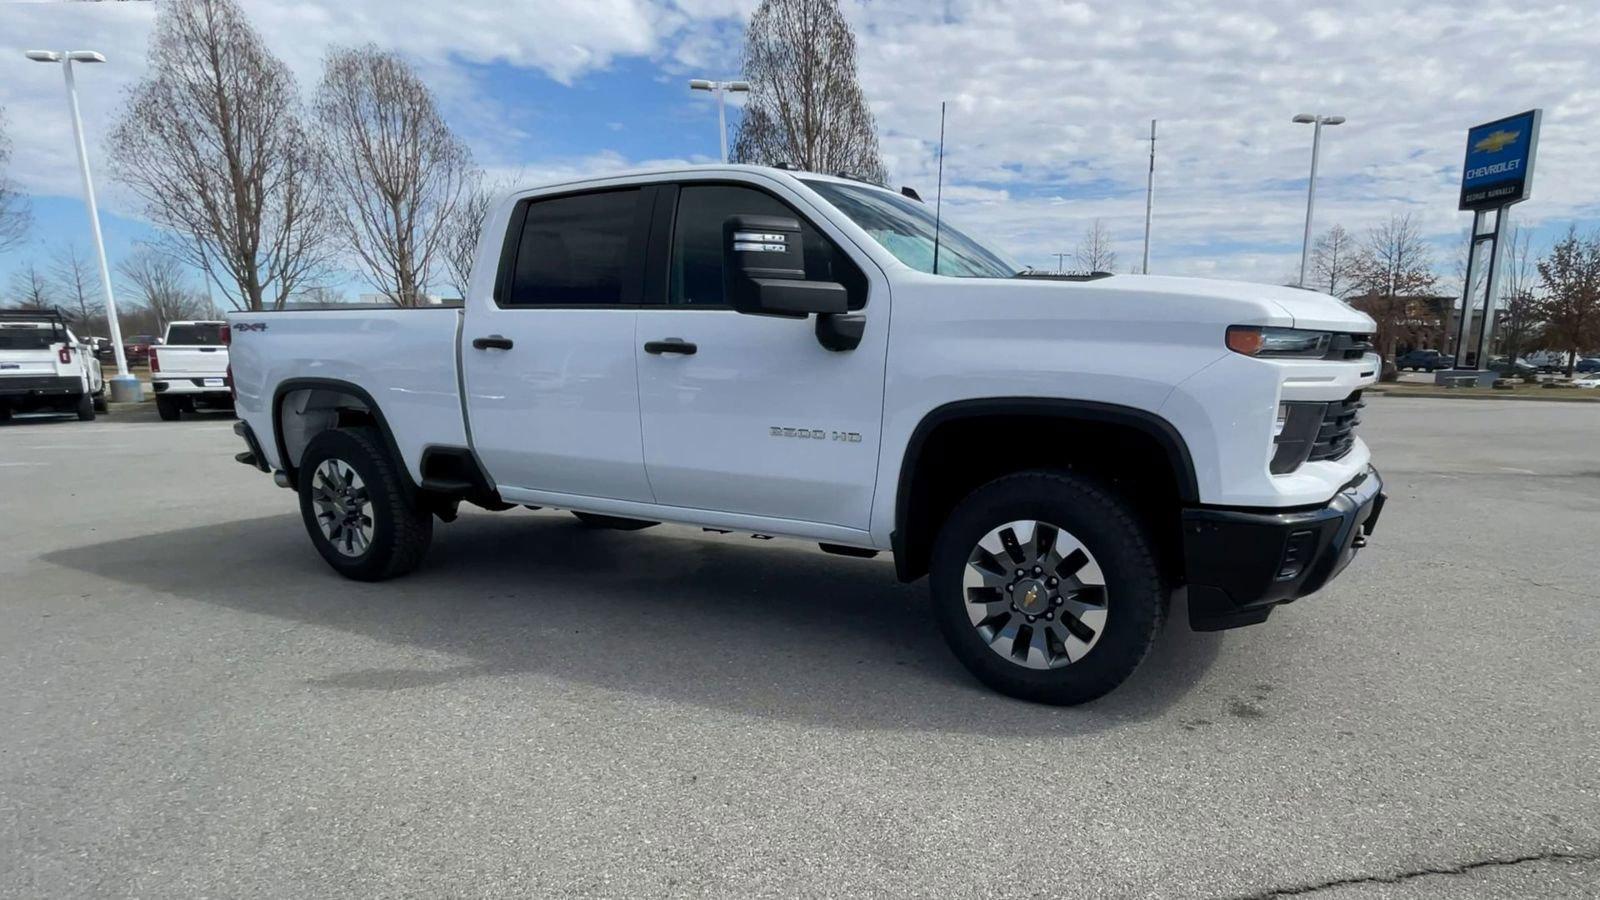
<point x="404" y="358"/>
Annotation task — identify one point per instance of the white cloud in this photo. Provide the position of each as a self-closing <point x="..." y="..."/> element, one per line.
<point x="1049" y="101"/>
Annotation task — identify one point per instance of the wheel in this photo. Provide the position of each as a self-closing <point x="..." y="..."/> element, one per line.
<point x="354" y="502"/>
<point x="85" y="408"/>
<point x="5" y="413"/>
<point x="1046" y="587"/>
<point x="100" y="402"/>
<point x="168" y="409"/>
<point x="616" y="523"/>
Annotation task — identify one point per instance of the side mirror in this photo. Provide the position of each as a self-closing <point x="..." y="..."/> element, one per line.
<point x="764" y="270"/>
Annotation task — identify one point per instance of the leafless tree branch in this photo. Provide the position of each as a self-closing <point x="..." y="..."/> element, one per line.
<point x="212" y="141"/>
<point x="806" y="107"/>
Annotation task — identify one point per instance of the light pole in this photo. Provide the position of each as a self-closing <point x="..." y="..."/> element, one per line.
<point x="720" y="88"/>
<point x="1149" y="199"/>
<point x="1311" y="188"/>
<point x="124" y="387"/>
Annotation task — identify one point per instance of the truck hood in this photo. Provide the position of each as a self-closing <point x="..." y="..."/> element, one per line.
<point x="1303" y="308"/>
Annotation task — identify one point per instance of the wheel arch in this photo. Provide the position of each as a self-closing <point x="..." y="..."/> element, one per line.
<point x="332" y="398"/>
<point x="924" y="495"/>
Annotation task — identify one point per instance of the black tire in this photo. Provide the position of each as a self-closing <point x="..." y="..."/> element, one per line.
<point x="1136" y="593"/>
<point x="400" y="531"/>
<point x="168" y="409"/>
<point x="85" y="408"/>
<point x="5" y="413"/>
<point x="100" y="402"/>
<point x="614" y="523"/>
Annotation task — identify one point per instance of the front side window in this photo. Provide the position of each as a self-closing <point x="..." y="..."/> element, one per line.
<point x="575" y="251"/>
<point x="905" y="228"/>
<point x="696" y="276"/>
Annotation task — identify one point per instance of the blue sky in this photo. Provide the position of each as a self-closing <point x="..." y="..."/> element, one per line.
<point x="1048" y="105"/>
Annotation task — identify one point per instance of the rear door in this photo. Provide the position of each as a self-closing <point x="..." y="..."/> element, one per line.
<point x="761" y="419"/>
<point x="551" y="389"/>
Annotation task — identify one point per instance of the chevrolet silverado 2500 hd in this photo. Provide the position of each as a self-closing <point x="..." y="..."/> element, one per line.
<point x="774" y="352"/>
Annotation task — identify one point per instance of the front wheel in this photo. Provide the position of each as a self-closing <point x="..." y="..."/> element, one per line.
<point x="357" y="508"/>
<point x="1046" y="587"/>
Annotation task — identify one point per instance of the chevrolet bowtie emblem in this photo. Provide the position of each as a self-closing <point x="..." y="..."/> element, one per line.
<point x="1496" y="141"/>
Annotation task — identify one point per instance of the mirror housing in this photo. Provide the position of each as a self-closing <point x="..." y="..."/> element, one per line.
<point x="764" y="270"/>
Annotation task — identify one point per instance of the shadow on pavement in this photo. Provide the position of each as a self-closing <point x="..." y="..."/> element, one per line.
<point x="766" y="630"/>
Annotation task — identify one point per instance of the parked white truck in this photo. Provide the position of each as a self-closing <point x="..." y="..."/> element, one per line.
<point x="189" y="369"/>
<point x="767" y="351"/>
<point x="44" y="367"/>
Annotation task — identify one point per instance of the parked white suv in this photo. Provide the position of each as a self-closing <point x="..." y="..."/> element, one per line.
<point x="189" y="369"/>
<point x="767" y="351"/>
<point x="44" y="367"/>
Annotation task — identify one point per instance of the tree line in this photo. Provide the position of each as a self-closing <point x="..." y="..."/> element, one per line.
<point x="1549" y="301"/>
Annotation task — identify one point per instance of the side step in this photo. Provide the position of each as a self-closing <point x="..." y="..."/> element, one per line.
<point x="842" y="550"/>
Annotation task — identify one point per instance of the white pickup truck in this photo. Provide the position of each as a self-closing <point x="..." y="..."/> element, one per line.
<point x="760" y="350"/>
<point x="45" y="368"/>
<point x="189" y="369"/>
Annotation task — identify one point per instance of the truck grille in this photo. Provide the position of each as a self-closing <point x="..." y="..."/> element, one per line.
<point x="1344" y="345"/>
<point x="1338" y="432"/>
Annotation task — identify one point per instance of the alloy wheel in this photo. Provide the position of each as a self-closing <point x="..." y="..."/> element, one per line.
<point x="344" y="509"/>
<point x="1035" y="594"/>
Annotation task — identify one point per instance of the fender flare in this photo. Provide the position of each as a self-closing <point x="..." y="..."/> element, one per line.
<point x="291" y="385"/>
<point x="910" y="565"/>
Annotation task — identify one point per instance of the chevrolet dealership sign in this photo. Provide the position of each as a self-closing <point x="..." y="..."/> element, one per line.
<point x="1499" y="168"/>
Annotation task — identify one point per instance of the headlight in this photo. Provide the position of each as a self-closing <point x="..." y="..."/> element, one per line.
<point x="1279" y="343"/>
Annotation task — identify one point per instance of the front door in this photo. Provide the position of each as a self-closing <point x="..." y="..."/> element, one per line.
<point x="551" y="386"/>
<point x="760" y="419"/>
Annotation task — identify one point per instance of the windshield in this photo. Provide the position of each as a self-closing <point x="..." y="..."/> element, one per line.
<point x="204" y="334"/>
<point x="905" y="228"/>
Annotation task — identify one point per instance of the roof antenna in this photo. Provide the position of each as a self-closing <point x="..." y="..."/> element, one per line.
<point x="938" y="200"/>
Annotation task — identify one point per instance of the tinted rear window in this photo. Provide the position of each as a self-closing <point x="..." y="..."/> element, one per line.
<point x="203" y="334"/>
<point x="27" y="337"/>
<point x="575" y="251"/>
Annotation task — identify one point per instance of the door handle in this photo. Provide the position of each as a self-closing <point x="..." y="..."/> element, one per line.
<point x="670" y="345"/>
<point x="492" y="342"/>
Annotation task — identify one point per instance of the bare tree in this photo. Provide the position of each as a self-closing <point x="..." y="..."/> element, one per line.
<point x="1394" y="272"/>
<point x="160" y="284"/>
<point x="14" y="216"/>
<point x="1519" y="321"/>
<point x="1094" y="253"/>
<point x="805" y="105"/>
<point x="1571" y="279"/>
<point x="397" y="170"/>
<point x="212" y="141"/>
<point x="78" y="280"/>
<point x="461" y="241"/>
<point x="30" y="289"/>
<point x="1333" y="262"/>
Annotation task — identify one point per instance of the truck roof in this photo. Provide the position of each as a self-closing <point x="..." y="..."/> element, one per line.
<point x="694" y="169"/>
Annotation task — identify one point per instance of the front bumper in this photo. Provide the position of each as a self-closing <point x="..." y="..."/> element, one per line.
<point x="1240" y="563"/>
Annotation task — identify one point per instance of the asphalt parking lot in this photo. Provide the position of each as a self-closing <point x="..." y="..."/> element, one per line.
<point x="194" y="705"/>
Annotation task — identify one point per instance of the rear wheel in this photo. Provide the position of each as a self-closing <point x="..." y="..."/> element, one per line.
<point x="616" y="523"/>
<point x="356" y="507"/>
<point x="1046" y="587"/>
<point x="168" y="409"/>
<point x="85" y="408"/>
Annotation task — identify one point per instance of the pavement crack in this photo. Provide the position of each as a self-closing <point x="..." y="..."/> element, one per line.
<point x="1399" y="877"/>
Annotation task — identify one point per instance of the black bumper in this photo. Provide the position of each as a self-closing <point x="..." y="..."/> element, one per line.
<point x="1239" y="563"/>
<point x="40" y="386"/>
